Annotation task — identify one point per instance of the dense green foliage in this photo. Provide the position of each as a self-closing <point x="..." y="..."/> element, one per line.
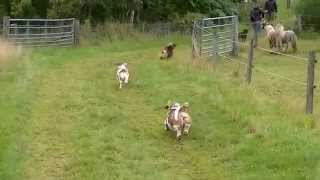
<point x="309" y="9"/>
<point x="120" y="10"/>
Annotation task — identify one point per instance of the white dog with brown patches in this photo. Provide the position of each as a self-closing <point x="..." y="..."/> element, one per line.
<point x="178" y="119"/>
<point x="123" y="74"/>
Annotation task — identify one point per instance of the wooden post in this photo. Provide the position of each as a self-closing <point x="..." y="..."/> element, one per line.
<point x="299" y="23"/>
<point x="235" y="36"/>
<point x="288" y="4"/>
<point x="6" y="26"/>
<point x="143" y="28"/>
<point x="27" y="30"/>
<point x="76" y="33"/>
<point x="193" y="40"/>
<point x="214" y="50"/>
<point x="28" y="27"/>
<point x="46" y="27"/>
<point x="200" y="36"/>
<point x="310" y="82"/>
<point x="46" y="30"/>
<point x="168" y="29"/>
<point x="250" y="63"/>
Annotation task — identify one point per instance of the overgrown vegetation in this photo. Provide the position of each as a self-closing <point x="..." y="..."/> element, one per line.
<point x="309" y="10"/>
<point x="98" y="11"/>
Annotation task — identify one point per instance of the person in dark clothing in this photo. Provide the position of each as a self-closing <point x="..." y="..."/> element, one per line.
<point x="256" y="16"/>
<point x="271" y="9"/>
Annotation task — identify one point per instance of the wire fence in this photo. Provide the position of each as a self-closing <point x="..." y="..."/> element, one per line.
<point x="163" y="28"/>
<point x="248" y="63"/>
<point x="262" y="70"/>
<point x="247" y="45"/>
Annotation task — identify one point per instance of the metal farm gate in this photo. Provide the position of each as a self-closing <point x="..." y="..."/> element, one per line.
<point x="214" y="36"/>
<point x="41" y="32"/>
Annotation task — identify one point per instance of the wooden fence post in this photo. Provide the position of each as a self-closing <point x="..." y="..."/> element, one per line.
<point x="200" y="37"/>
<point x="27" y="30"/>
<point x="288" y="4"/>
<point x="46" y="30"/>
<point x="76" y="32"/>
<point x="310" y="82"/>
<point x="143" y="27"/>
<point x="215" y="49"/>
<point x="299" y="23"/>
<point x="193" y="41"/>
<point x="235" y="36"/>
<point x="250" y="63"/>
<point x="6" y="26"/>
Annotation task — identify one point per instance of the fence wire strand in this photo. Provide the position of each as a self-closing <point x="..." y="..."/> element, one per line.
<point x="259" y="69"/>
<point x="279" y="76"/>
<point x="282" y="54"/>
<point x="233" y="60"/>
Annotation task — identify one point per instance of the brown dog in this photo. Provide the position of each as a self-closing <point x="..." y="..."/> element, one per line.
<point x="167" y="52"/>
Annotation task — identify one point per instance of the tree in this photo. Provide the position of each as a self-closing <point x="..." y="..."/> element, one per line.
<point x="309" y="10"/>
<point x="98" y="11"/>
<point x="22" y="8"/>
<point x="41" y="7"/>
<point x="63" y="8"/>
<point x="5" y="7"/>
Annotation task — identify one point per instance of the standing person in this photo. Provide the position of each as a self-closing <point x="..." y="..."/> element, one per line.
<point x="271" y="9"/>
<point x="256" y="16"/>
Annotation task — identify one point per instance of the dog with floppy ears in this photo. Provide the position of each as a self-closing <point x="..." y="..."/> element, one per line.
<point x="178" y="119"/>
<point x="122" y="74"/>
<point x="167" y="51"/>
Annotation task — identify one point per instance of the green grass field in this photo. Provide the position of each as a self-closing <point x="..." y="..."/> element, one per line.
<point x="63" y="116"/>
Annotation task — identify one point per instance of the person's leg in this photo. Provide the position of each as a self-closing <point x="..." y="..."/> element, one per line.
<point x="257" y="29"/>
<point x="268" y="16"/>
<point x="274" y="18"/>
<point x="254" y="33"/>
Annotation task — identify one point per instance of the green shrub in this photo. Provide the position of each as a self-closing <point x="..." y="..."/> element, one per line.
<point x="309" y="10"/>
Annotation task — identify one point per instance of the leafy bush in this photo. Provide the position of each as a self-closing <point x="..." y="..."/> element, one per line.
<point x="309" y="10"/>
<point x="23" y="9"/>
<point x="99" y="11"/>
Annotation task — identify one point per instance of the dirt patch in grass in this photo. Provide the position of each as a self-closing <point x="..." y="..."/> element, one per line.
<point x="8" y="53"/>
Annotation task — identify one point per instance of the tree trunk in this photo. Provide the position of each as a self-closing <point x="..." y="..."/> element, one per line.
<point x="132" y="17"/>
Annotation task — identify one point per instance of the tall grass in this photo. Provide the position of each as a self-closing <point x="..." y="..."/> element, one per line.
<point x="110" y="32"/>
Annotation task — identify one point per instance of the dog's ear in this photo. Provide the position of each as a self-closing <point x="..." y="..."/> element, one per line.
<point x="185" y="107"/>
<point x="168" y="104"/>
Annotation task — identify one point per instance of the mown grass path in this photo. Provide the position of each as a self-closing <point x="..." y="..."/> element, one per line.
<point x="49" y="133"/>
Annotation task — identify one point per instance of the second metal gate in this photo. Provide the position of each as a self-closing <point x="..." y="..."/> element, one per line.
<point x="215" y="36"/>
